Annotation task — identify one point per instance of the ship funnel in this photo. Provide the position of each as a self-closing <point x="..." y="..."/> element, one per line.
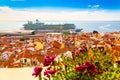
<point x="37" y="21"/>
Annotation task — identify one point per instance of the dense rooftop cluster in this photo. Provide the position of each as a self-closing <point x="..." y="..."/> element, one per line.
<point x="22" y="52"/>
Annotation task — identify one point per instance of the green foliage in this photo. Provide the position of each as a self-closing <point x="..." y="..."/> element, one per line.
<point x="66" y="33"/>
<point x="23" y="39"/>
<point x="94" y="32"/>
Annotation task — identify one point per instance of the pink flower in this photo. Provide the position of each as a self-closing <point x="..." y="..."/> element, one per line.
<point x="37" y="71"/>
<point x="77" y="52"/>
<point x="48" y="60"/>
<point x="48" y="72"/>
<point x="53" y="57"/>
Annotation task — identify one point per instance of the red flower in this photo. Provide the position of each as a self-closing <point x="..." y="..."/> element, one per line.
<point x="37" y="71"/>
<point x="90" y="67"/>
<point x="87" y="64"/>
<point x="80" y="68"/>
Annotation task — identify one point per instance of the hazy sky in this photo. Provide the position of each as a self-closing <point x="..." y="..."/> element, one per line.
<point x="60" y="9"/>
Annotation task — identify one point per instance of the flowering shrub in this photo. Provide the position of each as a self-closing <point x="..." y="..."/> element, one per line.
<point x="93" y="64"/>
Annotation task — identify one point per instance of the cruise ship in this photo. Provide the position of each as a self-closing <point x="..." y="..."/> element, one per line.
<point x="42" y="27"/>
